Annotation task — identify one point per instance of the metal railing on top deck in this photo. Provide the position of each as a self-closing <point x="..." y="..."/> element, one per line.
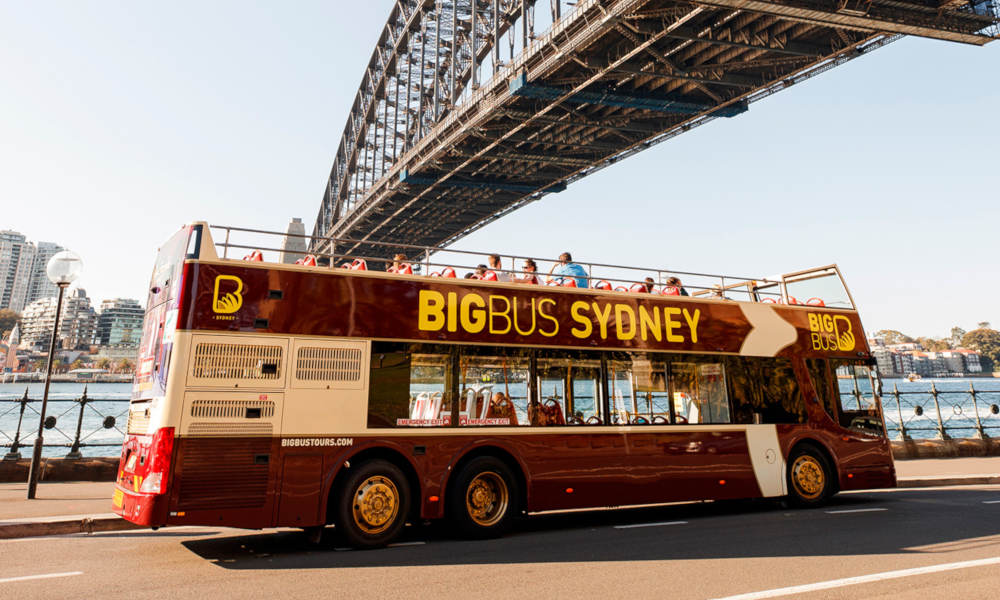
<point x="424" y="260"/>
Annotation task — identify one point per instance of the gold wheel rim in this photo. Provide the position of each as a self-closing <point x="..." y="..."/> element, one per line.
<point x="376" y="504"/>
<point x="808" y="477"/>
<point x="487" y="498"/>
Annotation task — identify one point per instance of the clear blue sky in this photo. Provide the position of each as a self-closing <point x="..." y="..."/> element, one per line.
<point x="120" y="121"/>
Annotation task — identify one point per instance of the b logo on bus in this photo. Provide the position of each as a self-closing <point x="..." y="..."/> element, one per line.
<point x="225" y="301"/>
<point x="831" y="332"/>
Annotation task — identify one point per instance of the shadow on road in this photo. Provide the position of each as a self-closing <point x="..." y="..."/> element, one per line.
<point x="915" y="521"/>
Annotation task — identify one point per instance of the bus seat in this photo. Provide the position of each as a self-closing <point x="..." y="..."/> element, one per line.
<point x="448" y="272"/>
<point x="670" y="290"/>
<point x="489" y="276"/>
<point x="769" y="300"/>
<point x="254" y="256"/>
<point x="307" y="261"/>
<point x="638" y="288"/>
<point x="602" y="285"/>
<point x="815" y="302"/>
<point x="359" y="264"/>
<point x="621" y="288"/>
<point x="569" y="282"/>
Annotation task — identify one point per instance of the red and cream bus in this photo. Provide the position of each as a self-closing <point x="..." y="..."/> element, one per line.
<point x="271" y="394"/>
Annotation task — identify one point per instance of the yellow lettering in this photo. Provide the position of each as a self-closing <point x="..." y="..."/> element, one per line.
<point x="815" y="341"/>
<point x="602" y="318"/>
<point x="649" y="324"/>
<point x="430" y="311"/>
<point x="692" y="321"/>
<point x="541" y="313"/>
<point x="473" y="319"/>
<point x="670" y="324"/>
<point x="827" y="323"/>
<point x="620" y="311"/>
<point x="504" y="314"/>
<point x="585" y="327"/>
<point x="534" y="319"/>
<point x="813" y="322"/>
<point x="452" y="309"/>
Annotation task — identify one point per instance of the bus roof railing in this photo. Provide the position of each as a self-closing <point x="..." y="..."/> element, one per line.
<point x="618" y="277"/>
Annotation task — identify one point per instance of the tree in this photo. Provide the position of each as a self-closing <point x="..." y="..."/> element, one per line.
<point x="77" y="364"/>
<point x="125" y="365"/>
<point x="933" y="345"/>
<point x="103" y="363"/>
<point x="983" y="325"/>
<point x="891" y="336"/>
<point x="986" y="342"/>
<point x="56" y="365"/>
<point x="7" y="320"/>
<point x="956" y="336"/>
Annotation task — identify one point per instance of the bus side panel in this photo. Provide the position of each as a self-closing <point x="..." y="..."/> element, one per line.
<point x="227" y="481"/>
<point x="860" y="461"/>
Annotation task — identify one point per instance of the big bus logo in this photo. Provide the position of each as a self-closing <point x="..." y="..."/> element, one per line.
<point x="831" y="332"/>
<point x="228" y="295"/>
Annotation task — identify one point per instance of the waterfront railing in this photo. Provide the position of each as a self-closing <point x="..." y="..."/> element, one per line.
<point x="82" y="423"/>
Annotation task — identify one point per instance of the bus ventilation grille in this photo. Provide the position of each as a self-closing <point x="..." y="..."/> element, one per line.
<point x="237" y="361"/>
<point x="232" y="409"/>
<point x="328" y="364"/>
<point x="230" y="429"/>
<point x="138" y="422"/>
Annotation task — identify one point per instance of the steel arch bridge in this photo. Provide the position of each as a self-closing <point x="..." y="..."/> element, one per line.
<point x="469" y="109"/>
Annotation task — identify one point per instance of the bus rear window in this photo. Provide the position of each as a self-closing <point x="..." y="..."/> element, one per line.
<point x="169" y="261"/>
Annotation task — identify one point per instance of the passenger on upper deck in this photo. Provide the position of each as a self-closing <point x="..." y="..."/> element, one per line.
<point x="648" y="284"/>
<point x="567" y="269"/>
<point x="494" y="261"/>
<point x="530" y="272"/>
<point x="675" y="288"/>
<point x="399" y="265"/>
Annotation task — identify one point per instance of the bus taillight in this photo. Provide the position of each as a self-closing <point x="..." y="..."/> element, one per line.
<point x="160" y="450"/>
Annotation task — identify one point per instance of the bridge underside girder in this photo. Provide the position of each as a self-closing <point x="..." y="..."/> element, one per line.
<point x="609" y="79"/>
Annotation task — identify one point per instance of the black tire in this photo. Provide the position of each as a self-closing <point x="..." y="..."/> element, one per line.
<point x="373" y="504"/>
<point x="809" y="477"/>
<point x="484" y="498"/>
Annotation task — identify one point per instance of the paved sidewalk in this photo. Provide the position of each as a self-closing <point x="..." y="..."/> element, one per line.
<point x="85" y="506"/>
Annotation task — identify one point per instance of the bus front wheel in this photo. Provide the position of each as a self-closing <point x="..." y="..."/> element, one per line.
<point x="810" y="481"/>
<point x="373" y="504"/>
<point x="484" y="498"/>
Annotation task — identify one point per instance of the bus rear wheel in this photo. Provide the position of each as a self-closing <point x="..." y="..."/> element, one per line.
<point x="373" y="504"/>
<point x="484" y="498"/>
<point x="810" y="482"/>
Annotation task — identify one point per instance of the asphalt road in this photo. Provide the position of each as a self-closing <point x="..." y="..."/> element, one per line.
<point x="706" y="551"/>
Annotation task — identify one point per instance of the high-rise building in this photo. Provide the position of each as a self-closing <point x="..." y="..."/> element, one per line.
<point x="17" y="255"/>
<point x="39" y="285"/>
<point x="119" y="323"/>
<point x="76" y="324"/>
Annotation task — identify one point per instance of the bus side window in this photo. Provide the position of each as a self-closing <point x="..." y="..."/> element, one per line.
<point x="699" y="392"/>
<point x="820" y="377"/>
<point x="493" y="390"/>
<point x="743" y="391"/>
<point x="408" y="388"/>
<point x="637" y="388"/>
<point x="784" y="401"/>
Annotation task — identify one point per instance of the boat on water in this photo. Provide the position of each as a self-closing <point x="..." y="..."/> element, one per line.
<point x="912" y="377"/>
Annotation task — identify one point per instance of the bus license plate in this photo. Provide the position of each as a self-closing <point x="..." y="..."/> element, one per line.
<point x="118" y="498"/>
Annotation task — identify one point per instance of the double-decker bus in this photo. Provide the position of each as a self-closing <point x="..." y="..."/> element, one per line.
<point x="273" y="394"/>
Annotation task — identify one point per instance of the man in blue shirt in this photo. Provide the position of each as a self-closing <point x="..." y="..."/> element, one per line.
<point x="569" y="270"/>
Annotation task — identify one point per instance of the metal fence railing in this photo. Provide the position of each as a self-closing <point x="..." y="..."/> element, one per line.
<point x="80" y="423"/>
<point x="953" y="412"/>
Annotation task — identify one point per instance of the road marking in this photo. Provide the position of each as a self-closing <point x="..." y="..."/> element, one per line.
<point x="45" y="576"/>
<point x="397" y="545"/>
<point x="991" y="501"/>
<point x="855" y="510"/>
<point x="836" y="583"/>
<point x="651" y="524"/>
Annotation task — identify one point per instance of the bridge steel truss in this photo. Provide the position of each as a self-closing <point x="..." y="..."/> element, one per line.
<point x="465" y="113"/>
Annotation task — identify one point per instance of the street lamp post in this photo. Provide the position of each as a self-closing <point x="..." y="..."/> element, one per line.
<point x="62" y="269"/>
